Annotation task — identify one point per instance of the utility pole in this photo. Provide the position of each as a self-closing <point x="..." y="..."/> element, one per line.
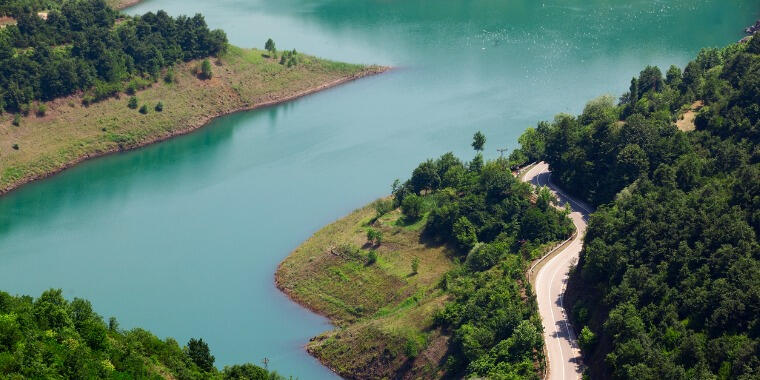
<point x="266" y="363"/>
<point x="502" y="151"/>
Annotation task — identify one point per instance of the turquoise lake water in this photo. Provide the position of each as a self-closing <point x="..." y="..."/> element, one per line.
<point x="183" y="237"/>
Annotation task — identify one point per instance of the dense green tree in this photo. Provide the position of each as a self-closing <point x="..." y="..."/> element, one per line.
<point x="478" y="141"/>
<point x="425" y="177"/>
<point x="200" y="354"/>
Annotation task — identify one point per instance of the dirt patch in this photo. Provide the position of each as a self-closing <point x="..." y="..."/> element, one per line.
<point x="686" y="121"/>
<point x="5" y="21"/>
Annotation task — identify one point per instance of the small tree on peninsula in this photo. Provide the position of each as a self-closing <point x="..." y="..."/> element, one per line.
<point x="270" y="47"/>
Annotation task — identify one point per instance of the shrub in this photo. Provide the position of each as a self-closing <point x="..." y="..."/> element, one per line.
<point x="17" y="119"/>
<point x="586" y="339"/>
<point x="24" y="108"/>
<point x="87" y="100"/>
<point x="412" y="206"/>
<point x="415" y="265"/>
<point x="104" y="90"/>
<point x="41" y="110"/>
<point x="132" y="102"/>
<point x="484" y="256"/>
<point x="206" y="71"/>
<point x="371" y="257"/>
<point x="383" y="206"/>
<point x="169" y="77"/>
<point x="412" y="348"/>
<point x="15" y="146"/>
<point x="159" y="107"/>
<point x="144" y="109"/>
<point x="374" y="236"/>
<point x="136" y="84"/>
<point x="464" y="234"/>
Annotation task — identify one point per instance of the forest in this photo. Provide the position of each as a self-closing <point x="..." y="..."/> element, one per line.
<point x="497" y="224"/>
<point x="52" y="338"/>
<point x="84" y="45"/>
<point x="668" y="283"/>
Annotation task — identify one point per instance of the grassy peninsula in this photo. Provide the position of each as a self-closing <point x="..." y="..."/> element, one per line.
<point x="431" y="282"/>
<point x="383" y="309"/>
<point x="70" y="132"/>
<point x="85" y="81"/>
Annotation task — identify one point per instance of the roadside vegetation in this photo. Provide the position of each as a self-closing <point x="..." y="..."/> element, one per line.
<point x="668" y="283"/>
<point x="431" y="282"/>
<point x="52" y="338"/>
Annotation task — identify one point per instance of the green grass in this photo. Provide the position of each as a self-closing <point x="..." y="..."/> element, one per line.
<point x="242" y="79"/>
<point x="385" y="312"/>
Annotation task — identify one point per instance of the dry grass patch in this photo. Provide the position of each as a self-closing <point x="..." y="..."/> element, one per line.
<point x="686" y="121"/>
<point x="385" y="312"/>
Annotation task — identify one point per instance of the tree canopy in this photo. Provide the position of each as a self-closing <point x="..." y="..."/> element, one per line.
<point x="668" y="283"/>
<point x="81" y="47"/>
<point x="496" y="227"/>
<point x="53" y="338"/>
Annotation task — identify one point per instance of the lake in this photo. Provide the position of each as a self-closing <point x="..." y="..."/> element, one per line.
<point x="183" y="237"/>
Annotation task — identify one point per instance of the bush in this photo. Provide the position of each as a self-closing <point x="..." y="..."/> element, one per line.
<point x="412" y="206"/>
<point x="159" y="107"/>
<point x="87" y="100"/>
<point x="586" y="339"/>
<point x="104" y="90"/>
<point x="415" y="265"/>
<point x="411" y="348"/>
<point x="206" y="71"/>
<point x="484" y="256"/>
<point x="132" y="102"/>
<point x="144" y="109"/>
<point x="15" y="146"/>
<point x="374" y="236"/>
<point x="169" y="77"/>
<point x="136" y="84"/>
<point x="17" y="119"/>
<point x="25" y="108"/>
<point x="383" y="206"/>
<point x="464" y="234"/>
<point x="371" y="257"/>
<point x="41" y="110"/>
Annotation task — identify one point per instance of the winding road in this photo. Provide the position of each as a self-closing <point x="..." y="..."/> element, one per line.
<point x="563" y="354"/>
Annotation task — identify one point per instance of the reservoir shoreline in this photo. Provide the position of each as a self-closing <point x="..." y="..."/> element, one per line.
<point x="206" y="120"/>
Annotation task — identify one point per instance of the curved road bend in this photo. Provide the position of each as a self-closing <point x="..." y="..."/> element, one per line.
<point x="563" y="354"/>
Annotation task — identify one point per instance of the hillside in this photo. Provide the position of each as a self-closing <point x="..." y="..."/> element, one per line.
<point x="52" y="338"/>
<point x="668" y="283"/>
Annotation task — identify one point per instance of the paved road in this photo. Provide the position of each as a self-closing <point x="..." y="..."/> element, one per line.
<point x="564" y="356"/>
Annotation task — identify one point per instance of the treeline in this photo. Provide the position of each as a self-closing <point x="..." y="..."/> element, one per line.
<point x="80" y="46"/>
<point x="14" y="8"/>
<point x="52" y="338"/>
<point x="668" y="283"/>
<point x="497" y="224"/>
